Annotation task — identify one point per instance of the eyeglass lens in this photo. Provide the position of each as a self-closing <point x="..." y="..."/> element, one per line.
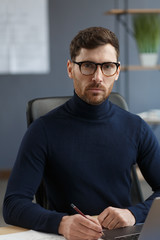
<point x="108" y="69"/>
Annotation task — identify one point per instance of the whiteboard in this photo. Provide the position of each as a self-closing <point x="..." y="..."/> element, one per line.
<point x="24" y="37"/>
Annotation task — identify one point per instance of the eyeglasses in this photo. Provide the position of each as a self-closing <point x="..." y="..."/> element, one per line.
<point x="88" y="68"/>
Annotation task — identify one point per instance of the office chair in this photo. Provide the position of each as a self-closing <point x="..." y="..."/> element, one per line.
<point x="39" y="106"/>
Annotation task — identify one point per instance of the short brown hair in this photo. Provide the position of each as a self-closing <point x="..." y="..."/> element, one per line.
<point x="91" y="38"/>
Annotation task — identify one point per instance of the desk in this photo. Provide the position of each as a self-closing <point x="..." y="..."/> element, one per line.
<point x="11" y="229"/>
<point x="108" y="234"/>
<point x="17" y="233"/>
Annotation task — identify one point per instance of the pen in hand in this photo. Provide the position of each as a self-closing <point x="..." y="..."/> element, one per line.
<point x="81" y="213"/>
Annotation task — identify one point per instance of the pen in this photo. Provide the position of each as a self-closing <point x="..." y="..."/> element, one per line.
<point x="77" y="210"/>
<point x="81" y="213"/>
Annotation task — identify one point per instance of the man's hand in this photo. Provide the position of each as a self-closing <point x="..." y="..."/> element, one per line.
<point x="112" y="218"/>
<point x="77" y="227"/>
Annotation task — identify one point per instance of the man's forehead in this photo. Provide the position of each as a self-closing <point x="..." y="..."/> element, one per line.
<point x="102" y="53"/>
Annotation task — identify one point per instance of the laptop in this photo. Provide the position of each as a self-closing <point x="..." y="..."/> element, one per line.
<point x="150" y="230"/>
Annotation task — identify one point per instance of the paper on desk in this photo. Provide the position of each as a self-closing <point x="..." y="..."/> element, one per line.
<point x="31" y="235"/>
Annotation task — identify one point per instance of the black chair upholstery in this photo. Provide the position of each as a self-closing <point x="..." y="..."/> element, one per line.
<point x="39" y="106"/>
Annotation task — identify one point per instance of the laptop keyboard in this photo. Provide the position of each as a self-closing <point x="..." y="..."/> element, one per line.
<point x="128" y="237"/>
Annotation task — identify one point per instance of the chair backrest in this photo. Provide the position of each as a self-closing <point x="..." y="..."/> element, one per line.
<point x="39" y="106"/>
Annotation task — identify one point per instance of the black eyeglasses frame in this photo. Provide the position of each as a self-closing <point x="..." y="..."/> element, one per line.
<point x="96" y="64"/>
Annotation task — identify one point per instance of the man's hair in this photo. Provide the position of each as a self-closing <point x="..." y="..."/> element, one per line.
<point x="91" y="38"/>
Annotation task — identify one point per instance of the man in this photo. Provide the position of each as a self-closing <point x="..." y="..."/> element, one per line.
<point x="85" y="150"/>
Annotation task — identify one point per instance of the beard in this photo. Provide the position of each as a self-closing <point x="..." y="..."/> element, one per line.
<point x="94" y="97"/>
<point x="93" y="93"/>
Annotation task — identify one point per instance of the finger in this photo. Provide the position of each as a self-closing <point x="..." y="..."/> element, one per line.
<point x="95" y="220"/>
<point x="79" y="230"/>
<point x="81" y="234"/>
<point x="90" y="227"/>
<point x="91" y="223"/>
<point x="118" y="225"/>
<point x="108" y="221"/>
<point x="102" y="216"/>
<point x="114" y="221"/>
<point x="112" y="224"/>
<point x="90" y="234"/>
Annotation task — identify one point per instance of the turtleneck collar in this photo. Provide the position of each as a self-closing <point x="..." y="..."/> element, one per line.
<point x="82" y="109"/>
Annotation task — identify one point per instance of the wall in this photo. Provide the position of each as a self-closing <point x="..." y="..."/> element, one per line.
<point x="66" y="18"/>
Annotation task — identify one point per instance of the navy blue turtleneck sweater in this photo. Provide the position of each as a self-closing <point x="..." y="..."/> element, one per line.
<point x="85" y="154"/>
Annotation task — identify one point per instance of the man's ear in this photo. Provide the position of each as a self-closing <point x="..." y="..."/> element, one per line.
<point x="69" y="68"/>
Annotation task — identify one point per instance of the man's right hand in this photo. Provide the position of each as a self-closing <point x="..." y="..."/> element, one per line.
<point x="77" y="227"/>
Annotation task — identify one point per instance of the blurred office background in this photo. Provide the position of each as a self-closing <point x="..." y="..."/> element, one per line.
<point x="65" y="19"/>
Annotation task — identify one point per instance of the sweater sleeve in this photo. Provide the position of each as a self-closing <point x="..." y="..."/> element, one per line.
<point x="148" y="160"/>
<point x="19" y="208"/>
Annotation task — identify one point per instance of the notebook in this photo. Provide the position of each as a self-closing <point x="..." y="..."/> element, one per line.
<point x="150" y="230"/>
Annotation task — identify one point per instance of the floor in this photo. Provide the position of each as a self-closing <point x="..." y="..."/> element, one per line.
<point x="145" y="190"/>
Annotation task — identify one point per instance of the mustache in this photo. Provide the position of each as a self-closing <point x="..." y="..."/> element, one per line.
<point x="96" y="85"/>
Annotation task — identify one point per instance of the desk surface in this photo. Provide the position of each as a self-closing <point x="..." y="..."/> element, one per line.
<point x="108" y="234"/>
<point x="11" y="229"/>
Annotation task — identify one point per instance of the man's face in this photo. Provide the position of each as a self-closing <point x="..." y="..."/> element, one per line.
<point x="95" y="88"/>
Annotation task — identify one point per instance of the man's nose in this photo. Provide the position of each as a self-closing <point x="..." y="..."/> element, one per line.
<point x="98" y="75"/>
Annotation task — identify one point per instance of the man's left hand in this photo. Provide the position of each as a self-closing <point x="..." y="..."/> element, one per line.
<point x="112" y="218"/>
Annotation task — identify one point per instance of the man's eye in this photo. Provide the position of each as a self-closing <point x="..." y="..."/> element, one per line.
<point x="107" y="66"/>
<point x="88" y="65"/>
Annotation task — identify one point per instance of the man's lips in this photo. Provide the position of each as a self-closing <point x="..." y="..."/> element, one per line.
<point x="95" y="89"/>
